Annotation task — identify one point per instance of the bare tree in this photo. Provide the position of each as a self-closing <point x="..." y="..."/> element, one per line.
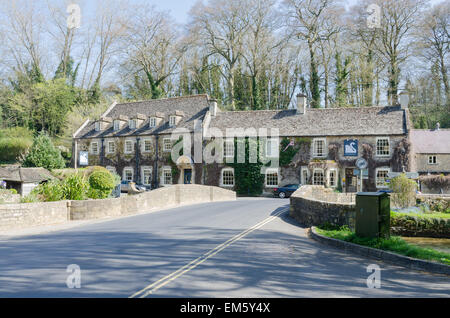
<point x="261" y="42"/>
<point x="152" y="46"/>
<point x="63" y="36"/>
<point x="221" y="25"/>
<point x="311" y="21"/>
<point x="398" y="19"/>
<point x="434" y="39"/>
<point x="24" y="29"/>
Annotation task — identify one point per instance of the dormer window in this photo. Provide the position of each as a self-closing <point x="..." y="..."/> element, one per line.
<point x="97" y="126"/>
<point x="132" y="124"/>
<point x="152" y="122"/>
<point x="172" y="121"/>
<point x="116" y="125"/>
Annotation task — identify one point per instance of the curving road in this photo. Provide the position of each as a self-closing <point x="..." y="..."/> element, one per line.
<point x="246" y="248"/>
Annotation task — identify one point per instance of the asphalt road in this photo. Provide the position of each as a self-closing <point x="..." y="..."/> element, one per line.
<point x="246" y="248"/>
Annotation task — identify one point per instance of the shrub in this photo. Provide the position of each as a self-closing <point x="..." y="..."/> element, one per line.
<point x="30" y="198"/>
<point x="425" y="225"/>
<point x="44" y="154"/>
<point x="13" y="191"/>
<point x="404" y="191"/>
<point x="50" y="191"/>
<point x="75" y="187"/>
<point x="435" y="181"/>
<point x="101" y="184"/>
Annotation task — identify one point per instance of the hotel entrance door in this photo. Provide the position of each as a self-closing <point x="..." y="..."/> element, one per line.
<point x="350" y="180"/>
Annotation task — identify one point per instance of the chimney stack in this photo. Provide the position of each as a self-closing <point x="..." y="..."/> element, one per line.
<point x="213" y="107"/>
<point x="301" y="104"/>
<point x="404" y="100"/>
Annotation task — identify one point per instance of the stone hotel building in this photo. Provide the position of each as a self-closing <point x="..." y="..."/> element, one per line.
<point x="134" y="141"/>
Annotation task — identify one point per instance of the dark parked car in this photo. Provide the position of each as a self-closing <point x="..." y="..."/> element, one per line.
<point x="286" y="191"/>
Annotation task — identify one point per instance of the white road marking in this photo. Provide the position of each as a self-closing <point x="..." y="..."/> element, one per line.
<point x="193" y="264"/>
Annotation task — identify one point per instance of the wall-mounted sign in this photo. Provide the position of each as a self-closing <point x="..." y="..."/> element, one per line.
<point x="351" y="148"/>
<point x="84" y="158"/>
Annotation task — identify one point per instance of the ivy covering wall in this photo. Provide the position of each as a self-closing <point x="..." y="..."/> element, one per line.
<point x="248" y="177"/>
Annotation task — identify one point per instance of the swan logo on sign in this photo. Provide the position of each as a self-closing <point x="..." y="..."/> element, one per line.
<point x="351" y="148"/>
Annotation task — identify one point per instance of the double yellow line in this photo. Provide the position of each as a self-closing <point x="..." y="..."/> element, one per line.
<point x="190" y="266"/>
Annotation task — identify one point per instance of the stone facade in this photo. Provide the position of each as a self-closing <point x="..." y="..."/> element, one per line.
<point x="139" y="152"/>
<point x="440" y="165"/>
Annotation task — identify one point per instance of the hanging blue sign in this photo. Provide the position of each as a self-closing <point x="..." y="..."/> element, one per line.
<point x="351" y="148"/>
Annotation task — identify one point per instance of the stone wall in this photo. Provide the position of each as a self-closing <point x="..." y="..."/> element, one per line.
<point x="14" y="216"/>
<point x="8" y="197"/>
<point x="317" y="205"/>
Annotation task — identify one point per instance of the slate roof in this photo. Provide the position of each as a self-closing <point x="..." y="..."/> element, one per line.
<point x="431" y="141"/>
<point x="191" y="107"/>
<point x="27" y="175"/>
<point x="319" y="122"/>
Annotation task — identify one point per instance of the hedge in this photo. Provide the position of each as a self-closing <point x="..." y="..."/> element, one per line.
<point x="415" y="225"/>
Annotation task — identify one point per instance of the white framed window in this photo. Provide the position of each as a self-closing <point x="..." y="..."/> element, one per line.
<point x="383" y="147"/>
<point x="319" y="148"/>
<point x="111" y="147"/>
<point x="152" y="122"/>
<point x="146" y="145"/>
<point x="381" y="176"/>
<point x="228" y="148"/>
<point x="272" y="178"/>
<point x="304" y="175"/>
<point x="227" y="178"/>
<point x="272" y="148"/>
<point x="332" y="178"/>
<point x="129" y="146"/>
<point x="97" y="126"/>
<point x="432" y="160"/>
<point x="128" y="174"/>
<point x="116" y="125"/>
<point x="147" y="175"/>
<point x="167" y="176"/>
<point x="172" y="120"/>
<point x="132" y="124"/>
<point x="318" y="177"/>
<point x="167" y="145"/>
<point x="94" y="148"/>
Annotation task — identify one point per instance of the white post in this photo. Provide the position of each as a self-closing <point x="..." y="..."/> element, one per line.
<point x="361" y="176"/>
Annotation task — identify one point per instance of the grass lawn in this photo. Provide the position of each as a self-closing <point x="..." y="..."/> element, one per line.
<point x="394" y="244"/>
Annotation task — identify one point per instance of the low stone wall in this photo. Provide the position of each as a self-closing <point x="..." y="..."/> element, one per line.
<point x="317" y="205"/>
<point x="14" y="216"/>
<point x="7" y="197"/>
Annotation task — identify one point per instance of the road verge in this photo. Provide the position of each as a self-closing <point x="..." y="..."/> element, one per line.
<point x="389" y="257"/>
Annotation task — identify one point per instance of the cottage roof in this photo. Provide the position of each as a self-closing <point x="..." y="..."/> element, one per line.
<point x="319" y="122"/>
<point x="26" y="175"/>
<point x="193" y="107"/>
<point x="431" y="141"/>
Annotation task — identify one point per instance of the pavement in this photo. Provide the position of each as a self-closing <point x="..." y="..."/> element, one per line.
<point x="243" y="248"/>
